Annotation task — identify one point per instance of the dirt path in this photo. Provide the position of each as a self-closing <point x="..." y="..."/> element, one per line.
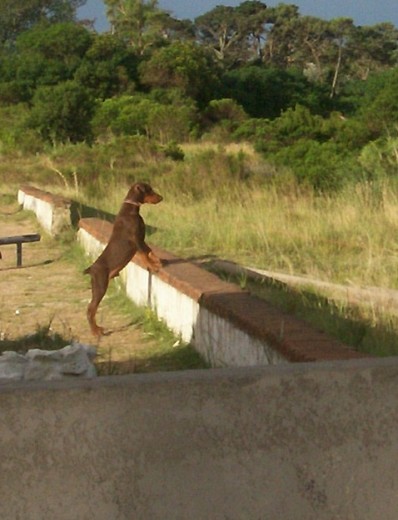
<point x="50" y="290"/>
<point x="384" y="299"/>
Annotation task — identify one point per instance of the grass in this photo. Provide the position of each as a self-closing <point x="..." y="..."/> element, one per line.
<point x="339" y="239"/>
<point x="346" y="238"/>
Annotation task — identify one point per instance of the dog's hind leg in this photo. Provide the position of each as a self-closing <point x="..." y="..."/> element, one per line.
<point x="99" y="285"/>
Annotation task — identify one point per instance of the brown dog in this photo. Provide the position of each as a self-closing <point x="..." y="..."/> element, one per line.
<point x="127" y="239"/>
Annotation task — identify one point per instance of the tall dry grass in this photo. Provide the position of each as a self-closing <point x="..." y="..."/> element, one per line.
<point x="345" y="238"/>
<point x="227" y="201"/>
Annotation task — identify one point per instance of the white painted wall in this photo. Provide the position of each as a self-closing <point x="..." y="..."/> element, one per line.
<point x="42" y="209"/>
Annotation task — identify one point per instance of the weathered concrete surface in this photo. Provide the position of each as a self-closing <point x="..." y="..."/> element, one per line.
<point x="292" y="442"/>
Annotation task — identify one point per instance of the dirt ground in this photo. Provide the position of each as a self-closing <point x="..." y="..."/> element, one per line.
<point x="49" y="290"/>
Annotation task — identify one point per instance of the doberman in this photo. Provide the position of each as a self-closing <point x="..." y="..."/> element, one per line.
<point x="127" y="239"/>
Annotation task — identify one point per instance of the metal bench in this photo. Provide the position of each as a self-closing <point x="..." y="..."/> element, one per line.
<point x="19" y="240"/>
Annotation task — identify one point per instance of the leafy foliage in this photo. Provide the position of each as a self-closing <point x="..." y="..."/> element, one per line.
<point x="138" y="22"/>
<point x="185" y="66"/>
<point x="318" y="98"/>
<point x="45" y="56"/>
<point x="141" y="115"/>
<point x="108" y="67"/>
<point x="62" y="113"/>
<point x="17" y="16"/>
<point x="266" y="91"/>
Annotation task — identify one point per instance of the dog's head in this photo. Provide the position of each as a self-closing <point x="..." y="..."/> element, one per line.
<point x="142" y="193"/>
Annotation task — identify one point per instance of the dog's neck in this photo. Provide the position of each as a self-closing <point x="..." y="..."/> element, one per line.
<point x="132" y="202"/>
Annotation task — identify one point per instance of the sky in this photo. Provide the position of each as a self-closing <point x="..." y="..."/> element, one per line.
<point x="363" y="12"/>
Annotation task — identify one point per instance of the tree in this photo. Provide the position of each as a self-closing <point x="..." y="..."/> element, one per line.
<point x="174" y="29"/>
<point x="62" y="113"/>
<point x="342" y="31"/>
<point x="379" y="105"/>
<point x="253" y="16"/>
<point x="279" y="42"/>
<point x="17" y="16"/>
<point x="329" y="52"/>
<point x="43" y="55"/>
<point x="108" y="67"/>
<point x="46" y="56"/>
<point x="218" y="29"/>
<point x="373" y="49"/>
<point x="233" y="33"/>
<point x="266" y="91"/>
<point x="66" y="43"/>
<point x="139" y="22"/>
<point x="182" y="65"/>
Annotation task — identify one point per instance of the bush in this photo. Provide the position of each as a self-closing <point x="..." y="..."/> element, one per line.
<point x="183" y="65"/>
<point x="323" y="166"/>
<point x="62" y="113"/>
<point x="14" y="136"/>
<point x="140" y="115"/>
<point x="173" y="151"/>
<point x="226" y="113"/>
<point x="379" y="159"/>
<point x="124" y="115"/>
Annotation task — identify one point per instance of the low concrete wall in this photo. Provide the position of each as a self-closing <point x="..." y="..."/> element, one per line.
<point x="52" y="211"/>
<point x="293" y="442"/>
<point x="227" y="325"/>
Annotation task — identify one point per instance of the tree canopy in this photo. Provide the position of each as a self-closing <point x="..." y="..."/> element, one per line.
<point x="17" y="16"/>
<point x="300" y="88"/>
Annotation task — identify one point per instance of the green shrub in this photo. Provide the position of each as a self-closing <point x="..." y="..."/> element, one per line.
<point x="173" y="151"/>
<point x="62" y="113"/>
<point x="225" y="112"/>
<point x="323" y="166"/>
<point x="140" y="115"/>
<point x="379" y="159"/>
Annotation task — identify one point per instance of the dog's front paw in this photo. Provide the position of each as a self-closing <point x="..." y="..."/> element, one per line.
<point x="154" y="268"/>
<point x="155" y="263"/>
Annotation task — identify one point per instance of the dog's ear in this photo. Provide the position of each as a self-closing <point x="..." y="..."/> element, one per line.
<point x="139" y="187"/>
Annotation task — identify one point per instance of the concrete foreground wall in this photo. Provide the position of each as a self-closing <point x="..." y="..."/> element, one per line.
<point x="314" y="441"/>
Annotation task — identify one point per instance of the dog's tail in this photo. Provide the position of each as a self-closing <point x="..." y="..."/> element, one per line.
<point x="87" y="271"/>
